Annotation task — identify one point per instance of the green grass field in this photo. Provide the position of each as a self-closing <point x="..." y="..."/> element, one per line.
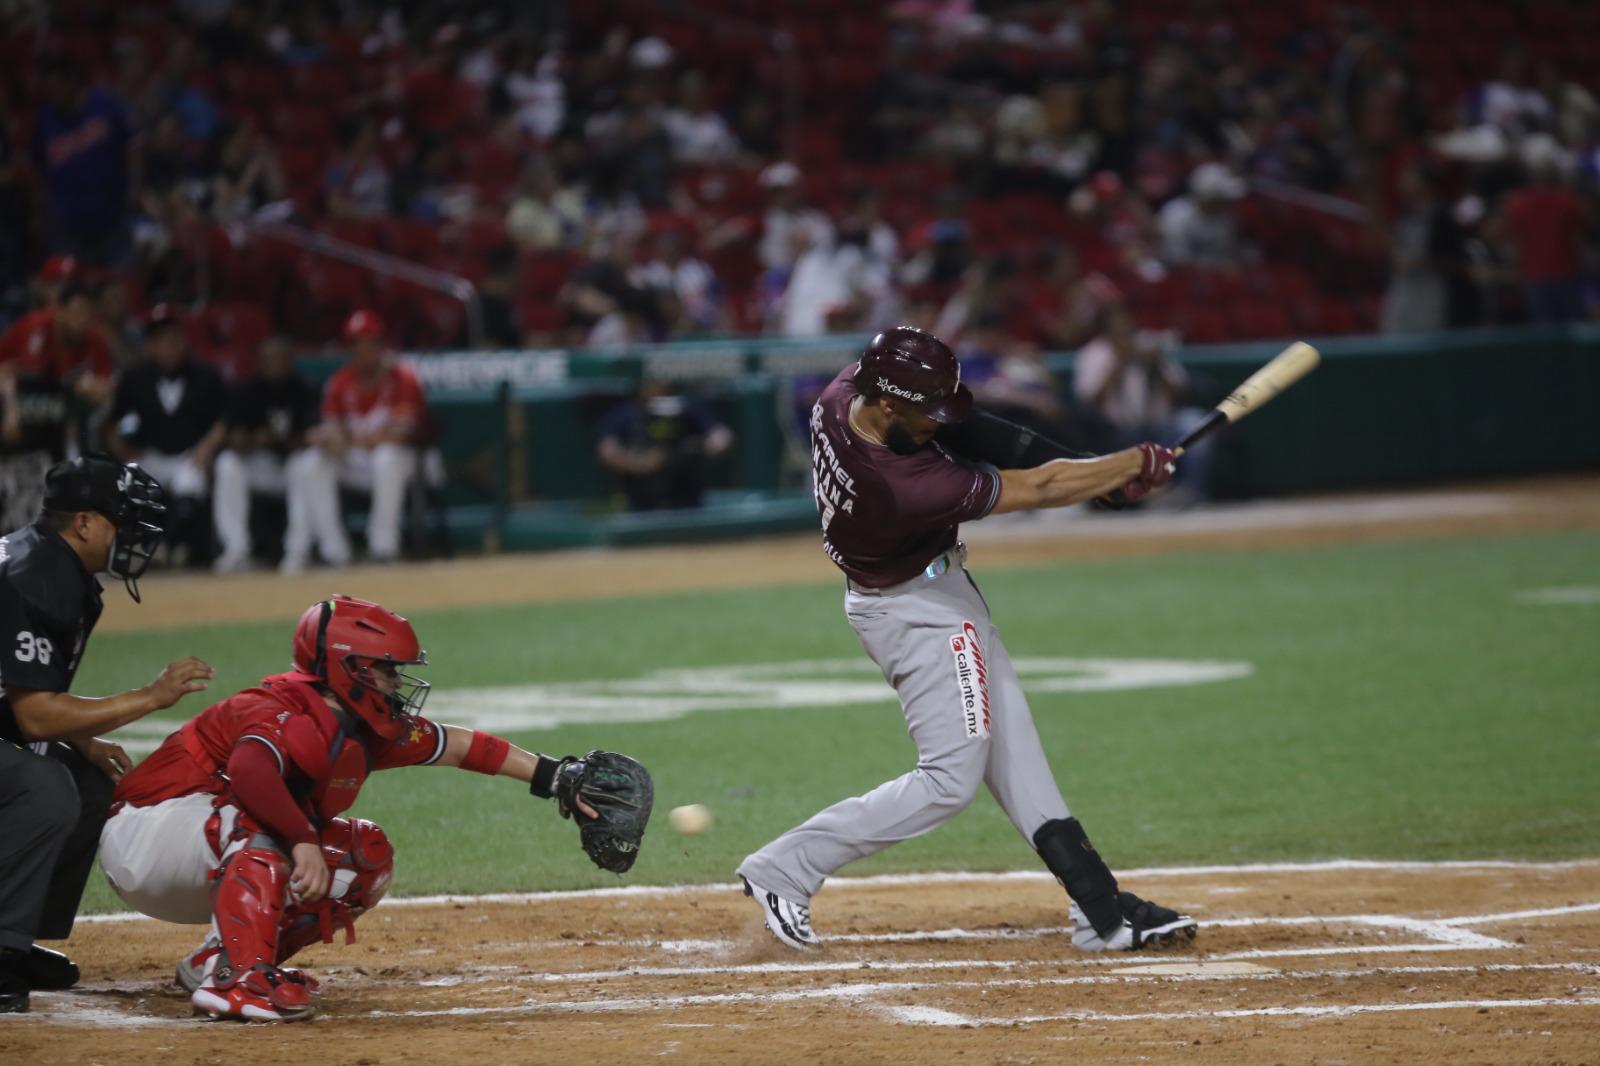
<point x="1403" y="704"/>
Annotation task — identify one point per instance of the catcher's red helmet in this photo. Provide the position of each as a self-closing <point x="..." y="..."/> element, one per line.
<point x="342" y="639"/>
<point x="363" y="325"/>
<point x="917" y="367"/>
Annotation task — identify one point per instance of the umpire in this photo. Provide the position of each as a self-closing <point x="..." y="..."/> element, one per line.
<point x="56" y="778"/>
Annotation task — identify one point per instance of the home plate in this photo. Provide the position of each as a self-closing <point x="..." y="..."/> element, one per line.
<point x="1190" y="969"/>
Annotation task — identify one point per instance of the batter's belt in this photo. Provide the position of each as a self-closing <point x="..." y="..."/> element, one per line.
<point x="941" y="565"/>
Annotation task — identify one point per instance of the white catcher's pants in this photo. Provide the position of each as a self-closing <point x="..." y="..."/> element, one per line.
<point x="158" y="860"/>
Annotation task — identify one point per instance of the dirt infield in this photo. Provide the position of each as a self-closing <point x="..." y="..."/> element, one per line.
<point x="176" y="600"/>
<point x="1472" y="963"/>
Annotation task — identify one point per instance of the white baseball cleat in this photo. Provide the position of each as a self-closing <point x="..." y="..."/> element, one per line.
<point x="1144" y="925"/>
<point x="789" y="921"/>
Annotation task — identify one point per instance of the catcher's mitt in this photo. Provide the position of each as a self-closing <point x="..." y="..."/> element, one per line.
<point x="621" y="793"/>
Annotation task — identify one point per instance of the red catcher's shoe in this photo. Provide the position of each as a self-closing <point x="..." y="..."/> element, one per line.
<point x="265" y="994"/>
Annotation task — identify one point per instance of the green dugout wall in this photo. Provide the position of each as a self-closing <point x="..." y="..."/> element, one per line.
<point x="518" y="429"/>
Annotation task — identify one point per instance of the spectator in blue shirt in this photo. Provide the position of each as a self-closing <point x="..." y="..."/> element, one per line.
<point x="82" y="144"/>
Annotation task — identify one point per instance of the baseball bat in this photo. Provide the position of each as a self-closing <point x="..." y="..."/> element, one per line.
<point x="1258" y="390"/>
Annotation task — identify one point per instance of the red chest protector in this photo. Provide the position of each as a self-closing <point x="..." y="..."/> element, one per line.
<point x="329" y="749"/>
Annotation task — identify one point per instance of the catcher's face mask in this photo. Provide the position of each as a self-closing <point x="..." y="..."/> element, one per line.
<point x="360" y="649"/>
<point x="403" y="693"/>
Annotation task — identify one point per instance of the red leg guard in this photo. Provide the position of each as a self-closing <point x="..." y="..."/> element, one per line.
<point x="361" y="860"/>
<point x="248" y="903"/>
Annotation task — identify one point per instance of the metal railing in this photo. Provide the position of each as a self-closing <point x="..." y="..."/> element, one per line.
<point x="412" y="273"/>
<point x="1336" y="206"/>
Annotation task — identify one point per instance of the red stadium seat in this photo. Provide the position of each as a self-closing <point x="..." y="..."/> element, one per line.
<point x="331" y="291"/>
<point x="358" y="231"/>
<point x="238" y="325"/>
<point x="410" y="238"/>
<point x="1260" y="318"/>
<point x="480" y="236"/>
<point x="539" y="314"/>
<point x="541" y="276"/>
<point x="1201" y="324"/>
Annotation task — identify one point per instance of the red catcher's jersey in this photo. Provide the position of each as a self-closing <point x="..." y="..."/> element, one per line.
<point x="324" y="764"/>
<point x="358" y="410"/>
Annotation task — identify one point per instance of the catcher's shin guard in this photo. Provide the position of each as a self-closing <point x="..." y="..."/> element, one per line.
<point x="361" y="860"/>
<point x="1066" y="851"/>
<point x="248" y="902"/>
<point x="247" y="905"/>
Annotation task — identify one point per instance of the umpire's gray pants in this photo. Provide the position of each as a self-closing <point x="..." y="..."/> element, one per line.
<point x="966" y="713"/>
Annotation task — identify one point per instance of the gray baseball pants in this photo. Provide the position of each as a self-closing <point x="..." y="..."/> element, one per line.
<point x="933" y="640"/>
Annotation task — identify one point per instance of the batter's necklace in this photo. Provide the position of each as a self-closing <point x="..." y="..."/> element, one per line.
<point x="850" y="417"/>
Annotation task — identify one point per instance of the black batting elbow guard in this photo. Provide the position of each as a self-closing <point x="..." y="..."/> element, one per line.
<point x="988" y="438"/>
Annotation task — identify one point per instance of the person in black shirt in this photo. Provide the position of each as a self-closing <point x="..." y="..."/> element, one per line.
<point x="658" y="444"/>
<point x="167" y="413"/>
<point x="267" y="451"/>
<point x="56" y="777"/>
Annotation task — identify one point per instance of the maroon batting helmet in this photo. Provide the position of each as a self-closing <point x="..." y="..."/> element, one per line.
<point x="917" y="367"/>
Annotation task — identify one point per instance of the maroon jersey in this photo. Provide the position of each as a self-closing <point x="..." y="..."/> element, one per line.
<point x="887" y="516"/>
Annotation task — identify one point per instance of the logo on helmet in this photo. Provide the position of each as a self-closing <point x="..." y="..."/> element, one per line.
<point x="885" y="385"/>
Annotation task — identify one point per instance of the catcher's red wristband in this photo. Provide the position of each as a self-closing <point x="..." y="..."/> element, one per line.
<point x="486" y="754"/>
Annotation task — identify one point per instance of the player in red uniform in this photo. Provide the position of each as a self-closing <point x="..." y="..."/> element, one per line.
<point x="235" y="818"/>
<point x="372" y="411"/>
<point x="62" y="343"/>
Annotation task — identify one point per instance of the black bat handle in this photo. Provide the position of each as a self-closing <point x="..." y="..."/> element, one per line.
<point x="1213" y="420"/>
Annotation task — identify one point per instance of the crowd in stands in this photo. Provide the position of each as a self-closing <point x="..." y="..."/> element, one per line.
<point x="1017" y="176"/>
<point x="641" y="171"/>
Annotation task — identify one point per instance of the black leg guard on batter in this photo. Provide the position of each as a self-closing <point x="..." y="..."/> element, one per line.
<point x="1066" y="851"/>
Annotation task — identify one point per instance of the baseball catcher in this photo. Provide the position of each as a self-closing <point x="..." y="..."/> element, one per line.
<point x="236" y="819"/>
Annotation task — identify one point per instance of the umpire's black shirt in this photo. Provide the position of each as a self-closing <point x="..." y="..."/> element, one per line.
<point x="168" y="413"/>
<point x="49" y="604"/>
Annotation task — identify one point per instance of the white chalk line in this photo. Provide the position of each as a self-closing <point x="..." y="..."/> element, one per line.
<point x="1446" y="937"/>
<point x="935" y="1016"/>
<point x="1517" y="916"/>
<point x="855" y="991"/>
<point x="1566" y="596"/>
<point x="961" y="877"/>
<point x="1444" y="930"/>
<point x="66" y="1008"/>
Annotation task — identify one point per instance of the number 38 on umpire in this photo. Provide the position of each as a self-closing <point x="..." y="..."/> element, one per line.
<point x="56" y="778"/>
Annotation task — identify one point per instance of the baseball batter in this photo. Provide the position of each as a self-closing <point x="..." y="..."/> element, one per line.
<point x="900" y="459"/>
<point x="234" y="820"/>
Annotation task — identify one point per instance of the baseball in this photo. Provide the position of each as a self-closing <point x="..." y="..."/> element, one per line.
<point x="691" y="819"/>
